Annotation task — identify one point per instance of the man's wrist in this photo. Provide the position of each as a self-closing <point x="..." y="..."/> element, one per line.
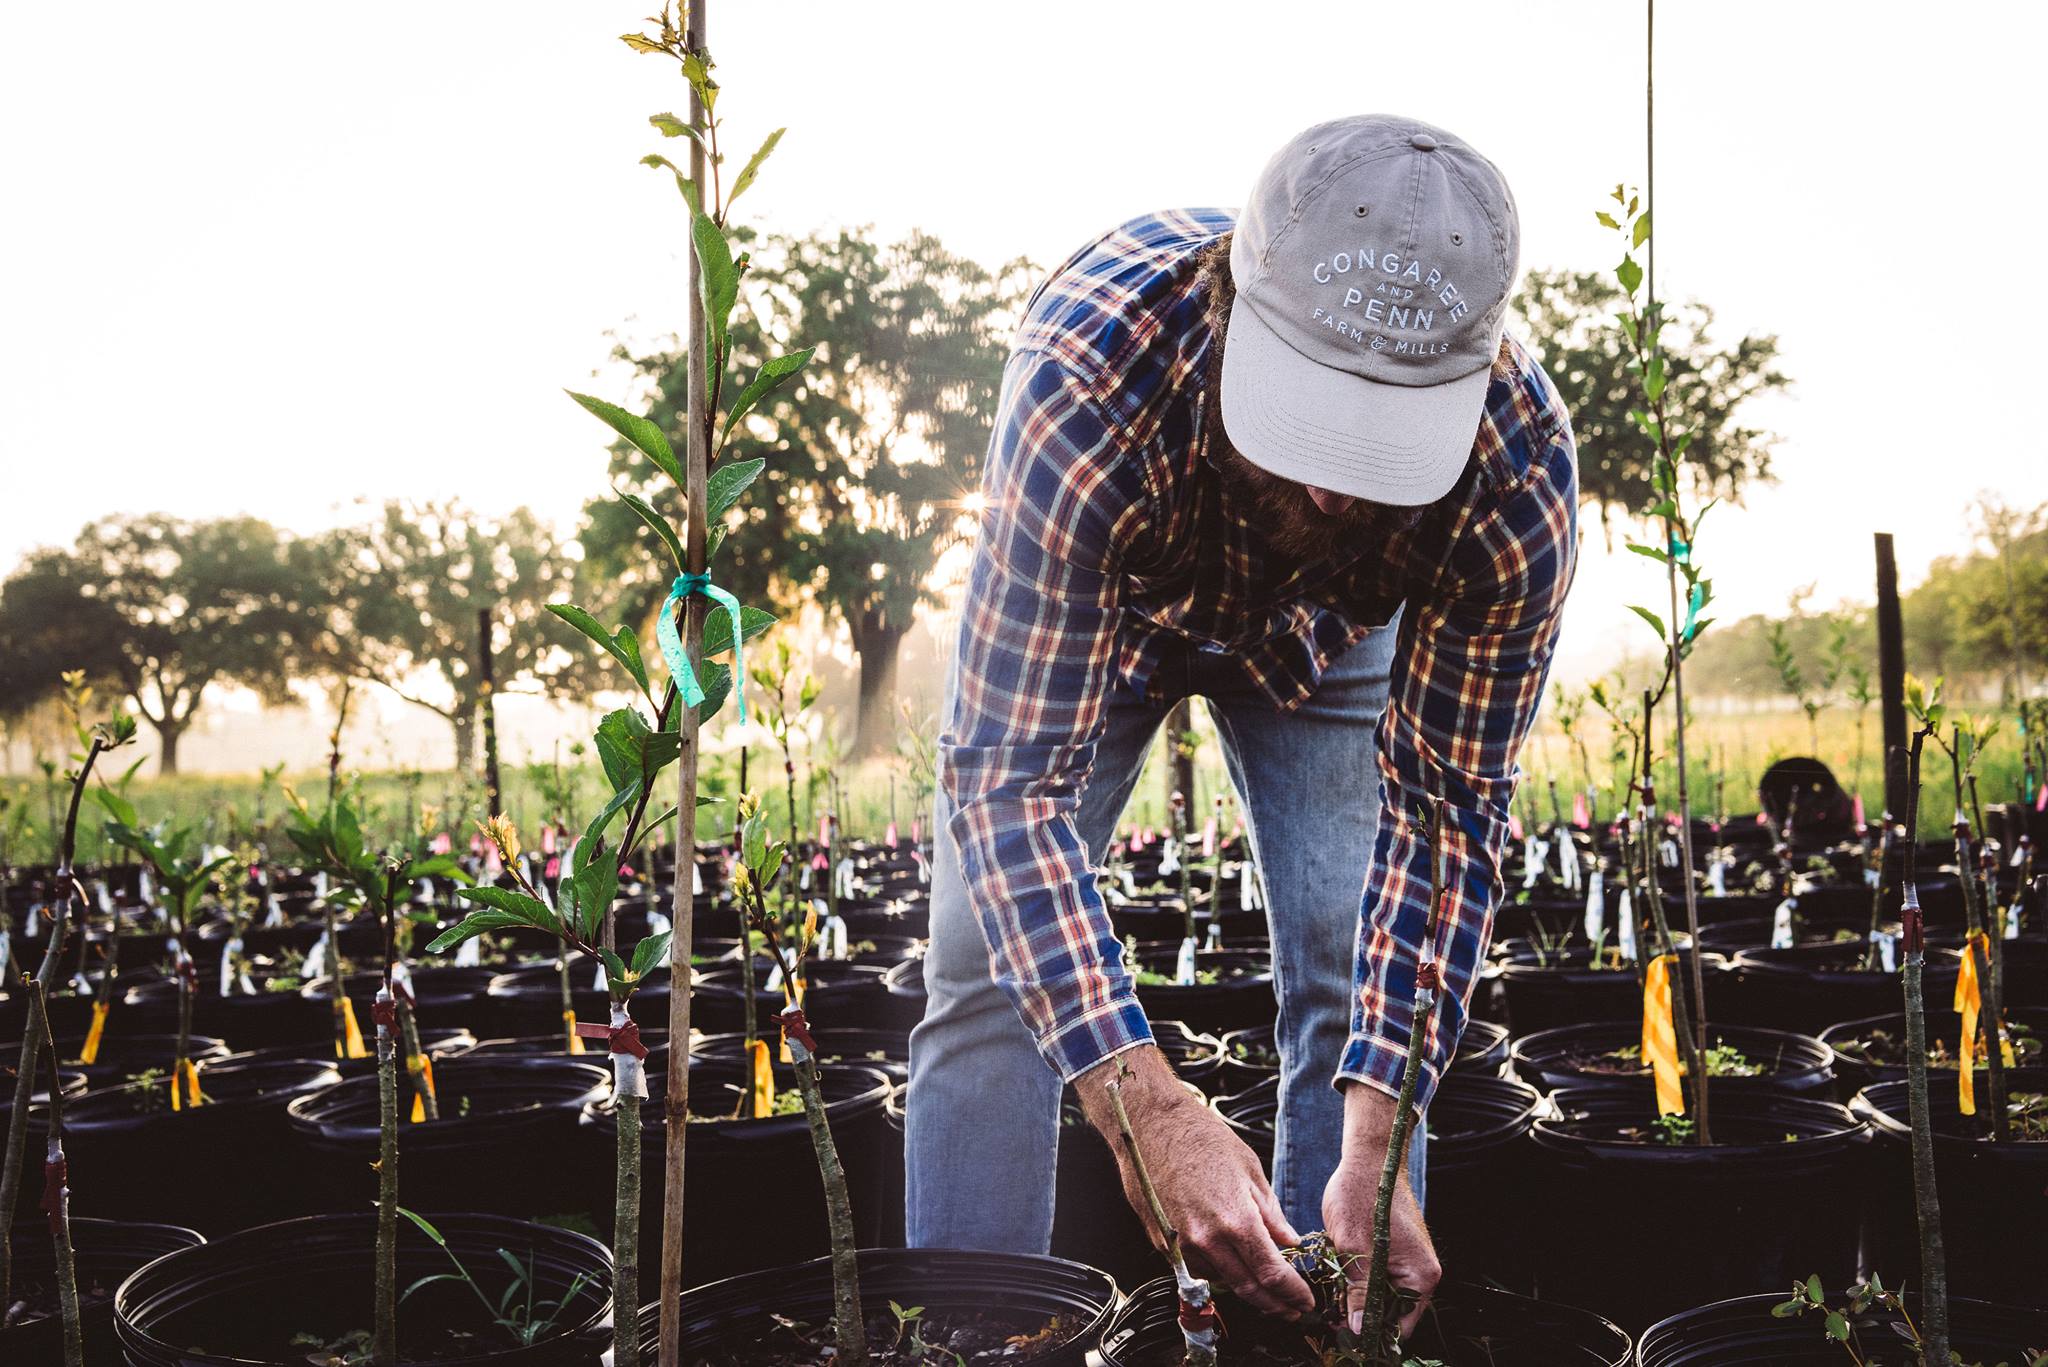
<point x="1144" y="1077"/>
<point x="1368" y="1116"/>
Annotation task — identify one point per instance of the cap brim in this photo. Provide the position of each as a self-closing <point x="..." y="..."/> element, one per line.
<point x="1399" y="445"/>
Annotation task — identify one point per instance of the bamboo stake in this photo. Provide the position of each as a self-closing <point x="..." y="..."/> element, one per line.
<point x="676" y="1101"/>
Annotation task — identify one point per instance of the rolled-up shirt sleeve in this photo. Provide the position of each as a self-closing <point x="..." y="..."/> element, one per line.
<point x="1035" y="658"/>
<point x="1468" y="678"/>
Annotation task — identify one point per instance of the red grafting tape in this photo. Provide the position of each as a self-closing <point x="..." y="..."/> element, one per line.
<point x="1197" y="1319"/>
<point x="1429" y="976"/>
<point x="795" y="1027"/>
<point x="384" y="1011"/>
<point x="625" y="1039"/>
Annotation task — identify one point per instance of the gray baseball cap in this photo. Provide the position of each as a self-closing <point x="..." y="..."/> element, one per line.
<point x="1372" y="267"/>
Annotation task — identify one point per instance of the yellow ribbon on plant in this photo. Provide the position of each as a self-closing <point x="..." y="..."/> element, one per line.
<point x="1970" y="1005"/>
<point x="575" y="1040"/>
<point x="351" y="1044"/>
<point x="761" y="1079"/>
<point x="1660" y="1036"/>
<point x="91" y="1052"/>
<point x="422" y="1069"/>
<point x="189" y="1074"/>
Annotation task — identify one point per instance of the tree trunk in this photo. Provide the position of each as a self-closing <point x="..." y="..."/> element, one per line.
<point x="876" y="644"/>
<point x="167" y="734"/>
<point x="463" y="723"/>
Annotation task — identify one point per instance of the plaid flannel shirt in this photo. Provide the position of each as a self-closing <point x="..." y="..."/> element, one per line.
<point x="1104" y="539"/>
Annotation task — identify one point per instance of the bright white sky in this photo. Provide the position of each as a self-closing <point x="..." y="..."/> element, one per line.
<point x="276" y="258"/>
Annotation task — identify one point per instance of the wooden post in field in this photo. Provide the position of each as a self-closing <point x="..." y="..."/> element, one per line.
<point x="676" y="1104"/>
<point x="487" y="705"/>
<point x="1891" y="671"/>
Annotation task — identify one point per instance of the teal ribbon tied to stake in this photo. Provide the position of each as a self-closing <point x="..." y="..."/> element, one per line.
<point x="671" y="641"/>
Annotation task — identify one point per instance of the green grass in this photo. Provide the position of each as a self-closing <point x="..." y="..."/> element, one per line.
<point x="1735" y="747"/>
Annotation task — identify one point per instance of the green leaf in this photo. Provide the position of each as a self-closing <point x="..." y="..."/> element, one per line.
<point x="1652" y="618"/>
<point x="718" y="628"/>
<point x="649" y="954"/>
<point x="622" y="799"/>
<point x="1641" y="233"/>
<point x="726" y="484"/>
<point x="643" y="434"/>
<point x="659" y="523"/>
<point x="427" y="1280"/>
<point x="624" y="647"/>
<point x="1629" y="274"/>
<point x="614" y="966"/>
<point x="1838" y="1327"/>
<point x="425" y="1228"/>
<point x="596" y="886"/>
<point x="118" y="807"/>
<point x="753" y="166"/>
<point x="1661" y="556"/>
<point x="532" y="911"/>
<point x="767" y="379"/>
<point x="1786" y="1310"/>
<point x="628" y="643"/>
<point x="673" y="127"/>
<point x="621" y="737"/>
<point x="716" y="680"/>
<point x="1653" y="379"/>
<point x="1606" y="219"/>
<point x="1815" y="1292"/>
<point x="475" y="924"/>
<point x="718" y="282"/>
<point x="1628" y="327"/>
<point x="684" y="184"/>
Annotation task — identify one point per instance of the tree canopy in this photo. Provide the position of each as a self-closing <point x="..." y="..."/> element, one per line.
<point x="872" y="453"/>
<point x="1568" y="318"/>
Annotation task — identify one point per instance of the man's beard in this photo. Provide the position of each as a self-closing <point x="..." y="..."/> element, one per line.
<point x="1288" y="519"/>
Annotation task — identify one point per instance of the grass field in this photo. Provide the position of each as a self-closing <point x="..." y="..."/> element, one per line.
<point x="1732" y="746"/>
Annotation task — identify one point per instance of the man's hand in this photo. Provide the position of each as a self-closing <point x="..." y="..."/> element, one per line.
<point x="1349" y="1204"/>
<point x="1210" y="1185"/>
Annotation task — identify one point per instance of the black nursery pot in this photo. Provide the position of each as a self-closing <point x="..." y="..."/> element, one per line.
<point x="1774" y="1200"/>
<point x="1854" y="1070"/>
<point x="1571" y="1056"/>
<point x="1467" y="1325"/>
<point x="527" y="1001"/>
<point x="441" y="1043"/>
<point x="1811" y="986"/>
<point x="240" y="1300"/>
<point x="441" y="996"/>
<point x="1994" y="1195"/>
<point x="751" y="1187"/>
<point x="1742" y="1333"/>
<point x="1242" y="995"/>
<point x="1567" y="990"/>
<point x="123" y="1055"/>
<point x="215" y="1167"/>
<point x="886" y="1051"/>
<point x="722" y="1321"/>
<point x="265" y="1020"/>
<point x="837" y="994"/>
<point x="104" y="1252"/>
<point x="505" y="1125"/>
<point x="1483" y="1048"/>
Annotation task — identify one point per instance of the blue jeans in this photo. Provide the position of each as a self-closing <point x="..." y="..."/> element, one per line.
<point x="982" y="1131"/>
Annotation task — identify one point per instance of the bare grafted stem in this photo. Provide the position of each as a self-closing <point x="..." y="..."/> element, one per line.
<point x="57" y="1192"/>
<point x="31" y="1041"/>
<point x="1381" y="1325"/>
<point x="1200" y="1336"/>
<point x="849" y="1326"/>
<point x="1926" y="1197"/>
<point x="626" y="1226"/>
